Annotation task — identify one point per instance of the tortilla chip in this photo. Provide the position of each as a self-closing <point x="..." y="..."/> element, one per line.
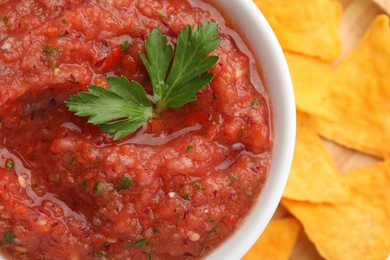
<point x="357" y="229"/>
<point x="308" y="27"/>
<point x="312" y="79"/>
<point x="313" y="175"/>
<point x="277" y="240"/>
<point x="374" y="183"/>
<point x="361" y="95"/>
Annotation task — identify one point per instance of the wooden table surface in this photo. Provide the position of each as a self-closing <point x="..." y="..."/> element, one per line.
<point x="357" y="15"/>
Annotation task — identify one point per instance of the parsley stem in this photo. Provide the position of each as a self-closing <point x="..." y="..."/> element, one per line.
<point x="156" y="114"/>
<point x="160" y="108"/>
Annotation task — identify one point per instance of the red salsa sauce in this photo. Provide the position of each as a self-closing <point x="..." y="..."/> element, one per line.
<point x="175" y="189"/>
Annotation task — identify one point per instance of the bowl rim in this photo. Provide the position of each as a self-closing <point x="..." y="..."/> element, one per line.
<point x="265" y="47"/>
<point x="254" y="26"/>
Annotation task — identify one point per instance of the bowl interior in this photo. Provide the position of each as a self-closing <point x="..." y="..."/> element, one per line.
<point x="253" y="26"/>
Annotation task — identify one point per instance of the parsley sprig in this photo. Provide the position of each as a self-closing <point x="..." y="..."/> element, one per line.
<point x="176" y="77"/>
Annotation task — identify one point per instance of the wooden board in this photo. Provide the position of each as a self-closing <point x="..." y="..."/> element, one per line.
<point x="357" y="15"/>
<point x="385" y="4"/>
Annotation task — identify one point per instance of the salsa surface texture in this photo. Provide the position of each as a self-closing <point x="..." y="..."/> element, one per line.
<point x="175" y="189"/>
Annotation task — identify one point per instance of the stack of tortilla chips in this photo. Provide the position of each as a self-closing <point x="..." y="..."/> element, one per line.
<point x="345" y="100"/>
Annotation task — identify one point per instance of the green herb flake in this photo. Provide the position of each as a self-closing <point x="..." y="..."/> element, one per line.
<point x="140" y="242"/>
<point x="216" y="226"/>
<point x="99" y="188"/>
<point x="255" y="103"/>
<point x="213" y="230"/>
<point x="73" y="81"/>
<point x="125" y="45"/>
<point x="52" y="51"/>
<point x="254" y="160"/>
<point x="127" y="244"/>
<point x="233" y="177"/>
<point x="210" y="220"/>
<point x="179" y="217"/>
<point x="84" y="186"/>
<point x="150" y="256"/>
<point x="125" y="183"/>
<point x="105" y="243"/>
<point x="240" y="132"/>
<point x="186" y="196"/>
<point x="10" y="164"/>
<point x="94" y="163"/>
<point x="189" y="148"/>
<point x="197" y="185"/>
<point x="73" y="162"/>
<point x="176" y="77"/>
<point x="156" y="231"/>
<point x="8" y="237"/>
<point x="99" y="253"/>
<point x="58" y="179"/>
<point x="5" y="19"/>
<point x="161" y="15"/>
<point x="65" y="20"/>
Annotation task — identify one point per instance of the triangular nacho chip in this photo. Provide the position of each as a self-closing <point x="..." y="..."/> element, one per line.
<point x="357" y="229"/>
<point x="308" y="27"/>
<point x="361" y="95"/>
<point x="277" y="240"/>
<point x="312" y="79"/>
<point x="313" y="175"/>
<point x="373" y="183"/>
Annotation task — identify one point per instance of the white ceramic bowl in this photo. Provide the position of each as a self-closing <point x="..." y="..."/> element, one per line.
<point x="251" y="24"/>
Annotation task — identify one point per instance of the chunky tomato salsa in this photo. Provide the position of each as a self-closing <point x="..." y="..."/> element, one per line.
<point x="174" y="189"/>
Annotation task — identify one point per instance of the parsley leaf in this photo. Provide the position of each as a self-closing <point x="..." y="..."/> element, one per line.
<point x="189" y="68"/>
<point x="176" y="77"/>
<point x="119" y="110"/>
<point x="159" y="58"/>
